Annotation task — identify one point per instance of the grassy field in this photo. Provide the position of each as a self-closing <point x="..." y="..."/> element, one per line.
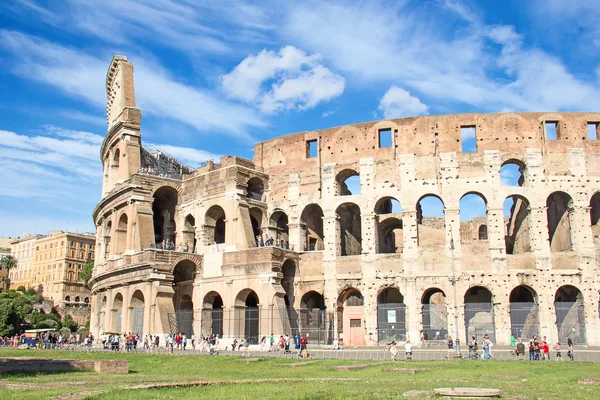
<point x="232" y="378"/>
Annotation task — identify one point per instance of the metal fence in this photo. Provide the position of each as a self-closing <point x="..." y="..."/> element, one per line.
<point x="524" y="322"/>
<point x="435" y="321"/>
<point x="570" y="322"/>
<point x="391" y="322"/>
<point x="479" y="321"/>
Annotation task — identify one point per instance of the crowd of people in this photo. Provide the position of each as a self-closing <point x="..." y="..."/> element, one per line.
<point x="157" y="172"/>
<point x="48" y="340"/>
<point x="269" y="241"/>
<point x="540" y="350"/>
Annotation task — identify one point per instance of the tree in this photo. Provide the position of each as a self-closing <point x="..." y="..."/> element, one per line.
<point x="8" y="263"/>
<point x="21" y="289"/>
<point x="87" y="271"/>
<point x="68" y="322"/>
<point x="9" y="318"/>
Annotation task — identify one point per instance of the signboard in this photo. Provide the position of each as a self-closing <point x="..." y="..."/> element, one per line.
<point x="391" y="317"/>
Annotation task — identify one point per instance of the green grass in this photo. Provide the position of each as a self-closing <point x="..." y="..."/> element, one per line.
<point x="517" y="379"/>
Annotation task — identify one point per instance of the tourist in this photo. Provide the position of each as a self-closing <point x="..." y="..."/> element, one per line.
<point x="287" y="343"/>
<point x="450" y="344"/>
<point x="183" y="341"/>
<point x="171" y="343"/>
<point x="520" y="350"/>
<point x="473" y="353"/>
<point x="425" y="339"/>
<point x="531" y="351"/>
<point x="570" y="349"/>
<point x="486" y="347"/>
<point x="263" y="343"/>
<point x="303" y="346"/>
<point x="234" y="345"/>
<point x="536" y="349"/>
<point x="557" y="348"/>
<point x="513" y="342"/>
<point x="408" y="351"/>
<point x="297" y="341"/>
<point x="271" y="342"/>
<point x="246" y="345"/>
<point x="545" y="350"/>
<point x="393" y="350"/>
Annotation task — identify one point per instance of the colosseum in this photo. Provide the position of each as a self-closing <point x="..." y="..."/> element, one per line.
<point x="354" y="232"/>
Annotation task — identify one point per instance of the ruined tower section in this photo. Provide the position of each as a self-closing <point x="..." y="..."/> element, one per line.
<point x="121" y="148"/>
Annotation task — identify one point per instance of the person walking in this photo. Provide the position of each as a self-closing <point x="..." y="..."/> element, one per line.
<point x="520" y="350"/>
<point x="408" y="350"/>
<point x="393" y="350"/>
<point x="303" y="345"/>
<point x="246" y="344"/>
<point x="570" y="349"/>
<point x="450" y="344"/>
<point x="486" y="348"/>
<point x="558" y="354"/>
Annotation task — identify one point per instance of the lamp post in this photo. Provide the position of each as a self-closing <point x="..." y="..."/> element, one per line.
<point x="453" y="280"/>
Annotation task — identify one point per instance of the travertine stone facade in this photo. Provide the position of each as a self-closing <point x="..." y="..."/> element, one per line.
<point x="373" y="265"/>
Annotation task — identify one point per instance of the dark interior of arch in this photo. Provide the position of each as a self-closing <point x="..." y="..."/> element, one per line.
<point x="213" y="300"/>
<point x="517" y="237"/>
<point x="215" y="224"/>
<point x="255" y="226"/>
<point x="478" y="294"/>
<point x="355" y="298"/>
<point x="186" y="304"/>
<point x="433" y="296"/>
<point x="350" y="229"/>
<point x="559" y="224"/>
<point x="163" y="209"/>
<point x="595" y="216"/>
<point x="483" y="232"/>
<point x="390" y="295"/>
<point x="391" y="235"/>
<point x="288" y="270"/>
<point x="255" y="189"/>
<point x="568" y="294"/>
<point x="521" y="294"/>
<point x="184" y="271"/>
<point x="312" y="220"/>
<point x="252" y="299"/>
<point x="312" y="300"/>
<point x="280" y="220"/>
<point x="431" y="224"/>
<point x="217" y="302"/>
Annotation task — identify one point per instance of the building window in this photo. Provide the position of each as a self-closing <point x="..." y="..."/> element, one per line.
<point x="551" y="130"/>
<point x="468" y="139"/>
<point x="312" y="149"/>
<point x="593" y="130"/>
<point x="385" y="138"/>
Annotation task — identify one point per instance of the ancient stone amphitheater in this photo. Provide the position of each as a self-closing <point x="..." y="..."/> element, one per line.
<point x="355" y="232"/>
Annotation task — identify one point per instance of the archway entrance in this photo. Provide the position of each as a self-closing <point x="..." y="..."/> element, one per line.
<point x="391" y="316"/>
<point x="212" y="314"/>
<point x="247" y="315"/>
<point x="351" y="318"/>
<point x="524" y="320"/>
<point x="117" y="312"/>
<point x="164" y="208"/>
<point x="570" y="317"/>
<point x="137" y="315"/>
<point x="435" y="314"/>
<point x="479" y="313"/>
<point x="313" y="320"/>
<point x="184" y="275"/>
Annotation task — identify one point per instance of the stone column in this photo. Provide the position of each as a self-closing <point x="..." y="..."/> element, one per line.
<point x="538" y="234"/>
<point x="413" y="322"/>
<point x="502" y="319"/>
<point x="410" y="252"/>
<point x="369" y="233"/>
<point x="496" y="240"/>
<point x="331" y="233"/>
<point x="370" y="315"/>
<point x="297" y="237"/>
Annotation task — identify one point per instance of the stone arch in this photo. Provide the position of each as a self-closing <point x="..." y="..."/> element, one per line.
<point x="390" y="227"/>
<point x="137" y="306"/>
<point x="513" y="172"/>
<point x="524" y="312"/>
<point x="215" y="224"/>
<point x="482" y="232"/>
<point x="212" y="314"/>
<point x="247" y="310"/>
<point x="595" y="216"/>
<point x="288" y="270"/>
<point x="391" y="315"/>
<point x="173" y="185"/>
<point x="431" y="222"/>
<point x="312" y="300"/>
<point x="473" y="212"/>
<point x="117" y="312"/>
<point x="184" y="270"/>
<point x="435" y="314"/>
<point x="107" y="239"/>
<point x="121" y="234"/>
<point x="479" y="313"/>
<point x="256" y="220"/>
<point x="311" y="225"/>
<point x="189" y="233"/>
<point x="347" y="182"/>
<point x="279" y="227"/>
<point x="312" y="316"/>
<point x="350" y="317"/>
<point x="67" y="299"/>
<point x="255" y="189"/>
<point x="516" y="233"/>
<point x="570" y="314"/>
<point x="559" y="206"/>
<point x="193" y="258"/>
<point x="164" y="209"/>
<point x="116" y="159"/>
<point x="349" y="226"/>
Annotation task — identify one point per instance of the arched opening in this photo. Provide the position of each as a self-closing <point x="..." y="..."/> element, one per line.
<point x="189" y="234"/>
<point x="163" y="208"/>
<point x="311" y="225"/>
<point x="68" y="299"/>
<point x="479" y="313"/>
<point x="524" y="320"/>
<point x="116" y="159"/>
<point x="278" y="226"/>
<point x="570" y="316"/>
<point x="559" y="206"/>
<point x="595" y="217"/>
<point x="184" y="275"/>
<point x="256" y="222"/>
<point x="214" y="223"/>
<point x="77" y="299"/>
<point x="512" y="173"/>
<point x="482" y="232"/>
<point x="390" y="230"/>
<point x="121" y="234"/>
<point x="117" y="312"/>
<point x="86" y="300"/>
<point x="431" y="223"/>
<point x="347" y="183"/>
<point x="516" y="215"/>
<point x="435" y="314"/>
<point x="248" y="314"/>
<point x="288" y="270"/>
<point x="107" y="238"/>
<point x="313" y="317"/>
<point x="473" y="213"/>
<point x="212" y="314"/>
<point x="349" y="230"/>
<point x="137" y="315"/>
<point x="351" y="329"/>
<point x="391" y="316"/>
<point x="255" y="189"/>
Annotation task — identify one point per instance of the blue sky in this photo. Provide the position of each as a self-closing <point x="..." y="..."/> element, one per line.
<point x="212" y="78"/>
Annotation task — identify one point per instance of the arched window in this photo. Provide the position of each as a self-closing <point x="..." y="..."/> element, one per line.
<point x="516" y="234"/>
<point x="390" y="229"/>
<point x="312" y="227"/>
<point x="558" y="205"/>
<point x="164" y="209"/>
<point x="431" y="223"/>
<point x="350" y="230"/>
<point x="473" y="212"/>
<point x="483" y="232"/>
<point x="215" y="224"/>
<point x="347" y="183"/>
<point x="255" y="189"/>
<point x="512" y="173"/>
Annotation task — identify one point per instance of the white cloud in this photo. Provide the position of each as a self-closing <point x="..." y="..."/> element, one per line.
<point x="398" y="103"/>
<point x="83" y="76"/>
<point x="297" y="80"/>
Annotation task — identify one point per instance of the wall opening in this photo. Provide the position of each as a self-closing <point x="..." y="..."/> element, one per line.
<point x="435" y="314"/>
<point x="349" y="229"/>
<point x="473" y="215"/>
<point x="248" y="314"/>
<point x="551" y="130"/>
<point x="350" y="316"/>
<point x="164" y="209"/>
<point x="512" y="173"/>
<point x="483" y="232"/>
<point x="524" y="318"/>
<point x="385" y="138"/>
<point x="255" y="189"/>
<point x="312" y="148"/>
<point x="117" y="312"/>
<point x="107" y="238"/>
<point x="479" y="314"/>
<point x="570" y="315"/>
<point x="431" y="222"/>
<point x="278" y="226"/>
<point x="347" y="183"/>
<point x="390" y="229"/>
<point x="559" y="206"/>
<point x="468" y="138"/>
<point x="214" y="223"/>
<point x="189" y="234"/>
<point x="517" y="225"/>
<point x="121" y="235"/>
<point x="391" y="316"/>
<point x="212" y="314"/>
<point x="592" y="128"/>
<point x="311" y="222"/>
<point x="256" y="222"/>
<point x="137" y="314"/>
<point x="595" y="216"/>
<point x="288" y="270"/>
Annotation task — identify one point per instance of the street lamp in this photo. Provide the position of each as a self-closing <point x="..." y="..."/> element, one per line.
<point x="453" y="280"/>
